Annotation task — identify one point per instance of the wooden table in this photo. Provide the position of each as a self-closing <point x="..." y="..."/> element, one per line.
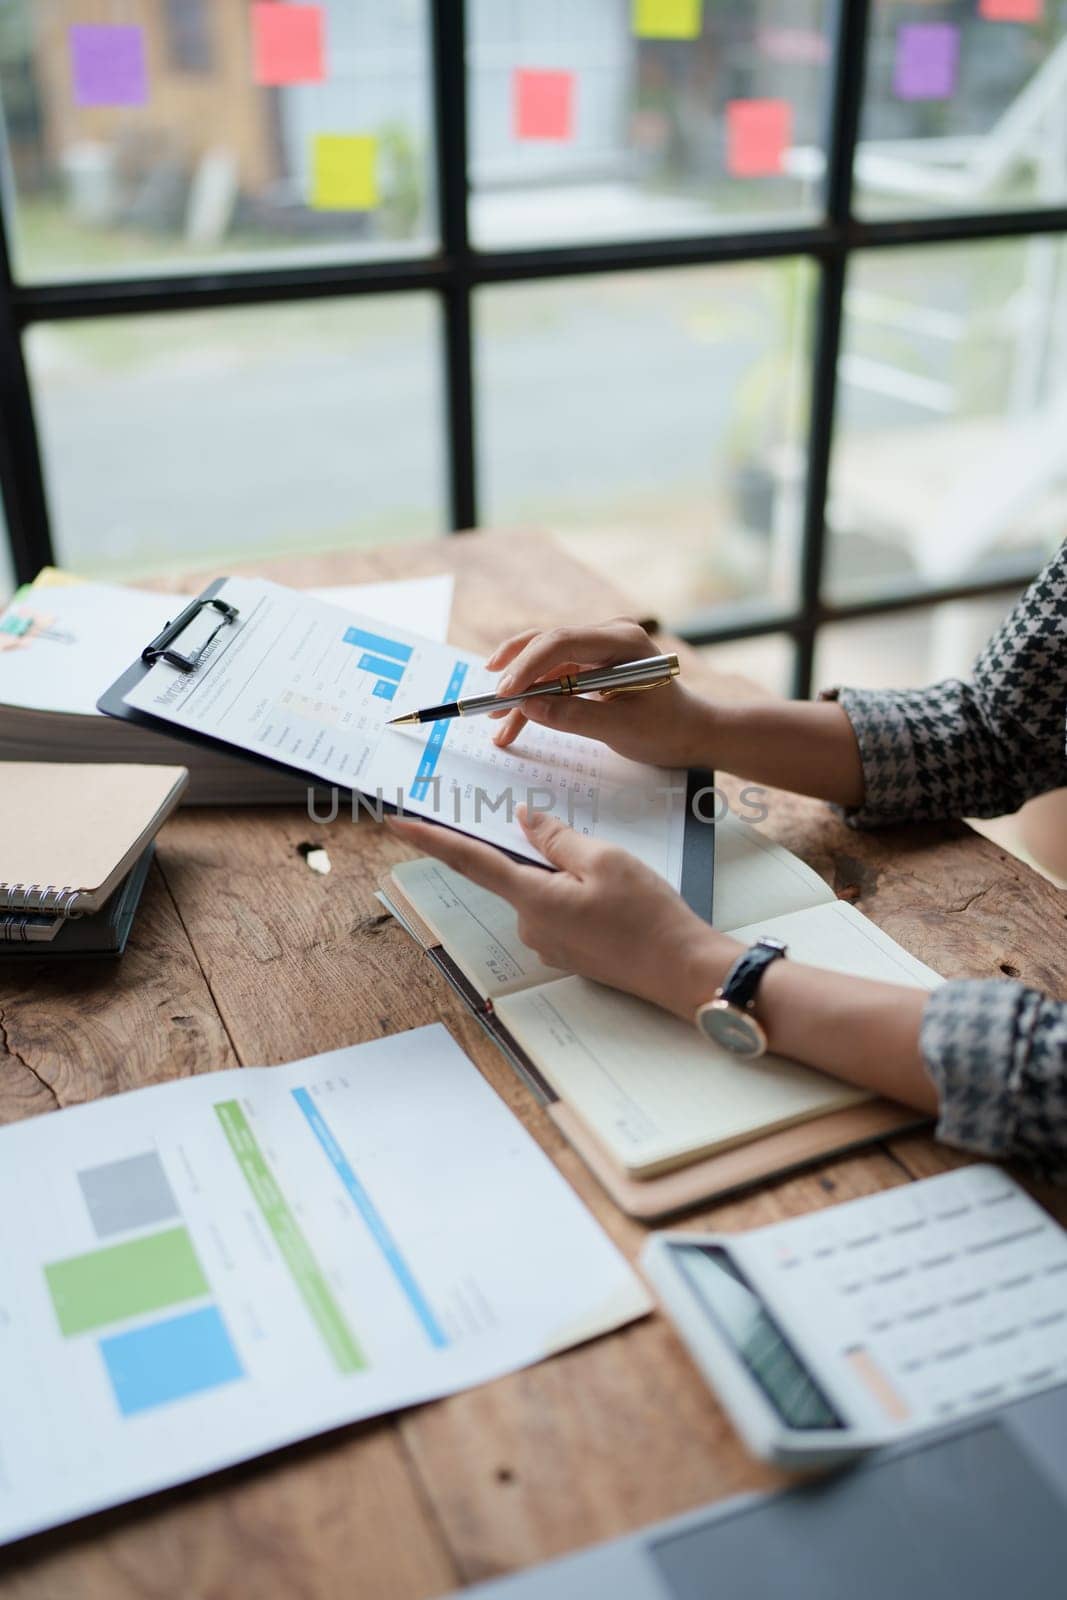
<point x="242" y="956"/>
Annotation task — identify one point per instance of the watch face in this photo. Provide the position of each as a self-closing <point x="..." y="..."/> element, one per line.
<point x="734" y="1030"/>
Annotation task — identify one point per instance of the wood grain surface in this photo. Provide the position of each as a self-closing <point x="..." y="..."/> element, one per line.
<point x="242" y="955"/>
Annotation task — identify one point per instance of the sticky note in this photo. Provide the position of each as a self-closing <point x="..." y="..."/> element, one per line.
<point x="927" y="62"/>
<point x="288" y="43"/>
<point x="1012" y="10"/>
<point x="343" y="172"/>
<point x="544" y="104"/>
<point x="757" y="134"/>
<point x="668" y="19"/>
<point x="108" y="65"/>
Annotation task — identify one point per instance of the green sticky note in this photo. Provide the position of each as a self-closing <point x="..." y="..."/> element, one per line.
<point x="125" y="1280"/>
<point x="16" y="624"/>
<point x="668" y="19"/>
<point x="343" y="172"/>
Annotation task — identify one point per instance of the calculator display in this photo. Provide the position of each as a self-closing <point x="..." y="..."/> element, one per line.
<point x="741" y="1318"/>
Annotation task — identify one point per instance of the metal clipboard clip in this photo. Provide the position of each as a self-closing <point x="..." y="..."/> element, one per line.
<point x="206" y="620"/>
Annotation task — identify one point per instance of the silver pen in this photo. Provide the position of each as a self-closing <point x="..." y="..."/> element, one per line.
<point x="622" y="679"/>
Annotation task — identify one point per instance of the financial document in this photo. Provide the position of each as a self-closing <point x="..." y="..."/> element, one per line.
<point x="314" y="687"/>
<point x="205" y="1270"/>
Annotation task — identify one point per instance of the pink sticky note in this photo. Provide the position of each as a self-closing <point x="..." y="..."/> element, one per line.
<point x="1011" y="10"/>
<point x="757" y="133"/>
<point x="288" y="43"/>
<point x="108" y="65"/>
<point x="928" y="61"/>
<point x="544" y="104"/>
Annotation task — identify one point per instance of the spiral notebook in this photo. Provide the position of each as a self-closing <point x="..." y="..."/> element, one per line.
<point x="70" y="833"/>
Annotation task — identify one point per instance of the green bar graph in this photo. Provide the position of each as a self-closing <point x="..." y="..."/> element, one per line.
<point x="125" y="1280"/>
<point x="285" y="1230"/>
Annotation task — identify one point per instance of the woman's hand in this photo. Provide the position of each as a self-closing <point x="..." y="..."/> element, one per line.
<point x="668" y="726"/>
<point x="602" y="915"/>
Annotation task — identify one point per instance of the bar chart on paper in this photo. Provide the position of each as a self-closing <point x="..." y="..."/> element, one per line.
<point x="385" y="659"/>
<point x="214" y="1267"/>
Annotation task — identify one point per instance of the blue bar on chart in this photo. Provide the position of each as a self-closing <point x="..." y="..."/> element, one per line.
<point x="373" y="1218"/>
<point x="435" y="743"/>
<point x="384" y="669"/>
<point x="384" y="658"/>
<point x="164" y="1361"/>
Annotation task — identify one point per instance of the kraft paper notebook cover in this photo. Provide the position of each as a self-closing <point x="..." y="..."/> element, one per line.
<point x="663" y="1118"/>
<point x="69" y="834"/>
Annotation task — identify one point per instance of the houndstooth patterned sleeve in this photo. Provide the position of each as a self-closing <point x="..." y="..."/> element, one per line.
<point x="972" y="749"/>
<point x="997" y="1052"/>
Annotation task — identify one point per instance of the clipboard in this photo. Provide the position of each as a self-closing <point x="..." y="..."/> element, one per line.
<point x="185" y="642"/>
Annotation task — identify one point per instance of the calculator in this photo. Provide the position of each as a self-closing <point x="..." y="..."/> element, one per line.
<point x="832" y="1334"/>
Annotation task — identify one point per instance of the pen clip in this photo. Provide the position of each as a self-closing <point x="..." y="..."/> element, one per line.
<point x="636" y="688"/>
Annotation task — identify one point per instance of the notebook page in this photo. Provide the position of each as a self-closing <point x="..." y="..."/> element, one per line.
<point x="479" y="930"/>
<point x="653" y="1091"/>
<point x="754" y="877"/>
<point x="841" y="938"/>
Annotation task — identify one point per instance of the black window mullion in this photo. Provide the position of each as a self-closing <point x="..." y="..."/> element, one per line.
<point x="21" y="470"/>
<point x="846" y="96"/>
<point x="450" y="105"/>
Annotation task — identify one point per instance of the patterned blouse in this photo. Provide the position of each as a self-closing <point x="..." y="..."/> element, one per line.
<point x="996" y="1050"/>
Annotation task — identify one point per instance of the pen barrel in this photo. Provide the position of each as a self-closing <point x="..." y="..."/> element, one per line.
<point x="627" y="674"/>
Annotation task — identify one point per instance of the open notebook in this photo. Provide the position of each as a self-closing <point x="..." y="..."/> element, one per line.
<point x="640" y="1092"/>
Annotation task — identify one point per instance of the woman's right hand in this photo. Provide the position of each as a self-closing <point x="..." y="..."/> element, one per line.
<point x="667" y="726"/>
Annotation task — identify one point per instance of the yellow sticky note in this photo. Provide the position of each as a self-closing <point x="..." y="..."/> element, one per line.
<point x="343" y="172"/>
<point x="668" y="19"/>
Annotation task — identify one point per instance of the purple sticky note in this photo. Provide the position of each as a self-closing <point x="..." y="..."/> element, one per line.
<point x="108" y="65"/>
<point x="928" y="61"/>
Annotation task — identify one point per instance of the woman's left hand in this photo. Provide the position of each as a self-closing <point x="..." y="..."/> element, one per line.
<point x="602" y="915"/>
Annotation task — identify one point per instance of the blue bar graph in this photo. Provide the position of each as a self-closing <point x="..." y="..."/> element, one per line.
<point x="435" y="743"/>
<point x="171" y="1360"/>
<point x="384" y="658"/>
<point x="380" y="645"/>
<point x="372" y="1217"/>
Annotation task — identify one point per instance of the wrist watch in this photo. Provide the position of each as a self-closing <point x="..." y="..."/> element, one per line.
<point x="728" y="1020"/>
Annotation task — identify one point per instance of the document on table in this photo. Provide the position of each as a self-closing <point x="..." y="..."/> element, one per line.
<point x="300" y="682"/>
<point x="205" y="1270"/>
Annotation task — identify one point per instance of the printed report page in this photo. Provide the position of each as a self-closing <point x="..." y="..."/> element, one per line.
<point x="201" y="1271"/>
<point x="314" y="687"/>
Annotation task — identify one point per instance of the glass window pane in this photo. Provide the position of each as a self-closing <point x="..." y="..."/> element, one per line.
<point x="908" y="649"/>
<point x="951" y="449"/>
<point x="169" y="440"/>
<point x="657" y="422"/>
<point x="965" y="107"/>
<point x="149" y="136"/>
<point x="586" y="126"/>
<point x="766" y="661"/>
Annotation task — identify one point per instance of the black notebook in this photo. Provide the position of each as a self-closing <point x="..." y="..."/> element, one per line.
<point x="102" y="933"/>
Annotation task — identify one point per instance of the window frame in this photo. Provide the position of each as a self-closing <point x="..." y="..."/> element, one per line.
<point x="456" y="271"/>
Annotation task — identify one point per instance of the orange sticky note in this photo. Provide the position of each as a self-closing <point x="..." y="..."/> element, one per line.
<point x="343" y="176"/>
<point x="544" y="104"/>
<point x="757" y="133"/>
<point x="1011" y="10"/>
<point x="668" y="19"/>
<point x="288" y="43"/>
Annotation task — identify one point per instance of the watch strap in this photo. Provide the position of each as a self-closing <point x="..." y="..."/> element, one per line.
<point x="743" y="979"/>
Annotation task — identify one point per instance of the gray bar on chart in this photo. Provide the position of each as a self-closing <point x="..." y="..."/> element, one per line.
<point x="133" y="1193"/>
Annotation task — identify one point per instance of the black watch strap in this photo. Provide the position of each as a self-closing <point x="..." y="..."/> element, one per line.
<point x="743" y="979"/>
